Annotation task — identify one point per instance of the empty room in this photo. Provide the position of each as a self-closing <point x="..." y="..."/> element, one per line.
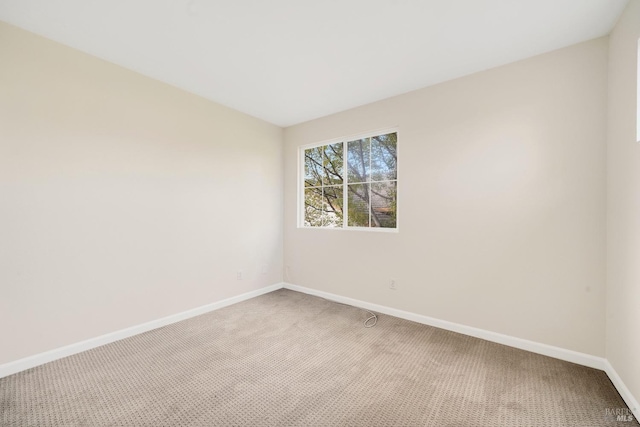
<point x="296" y="213"/>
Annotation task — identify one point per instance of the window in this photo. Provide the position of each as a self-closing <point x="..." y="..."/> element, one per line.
<point x="351" y="183"/>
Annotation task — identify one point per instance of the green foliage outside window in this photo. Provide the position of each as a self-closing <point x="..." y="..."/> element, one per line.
<point x="370" y="183"/>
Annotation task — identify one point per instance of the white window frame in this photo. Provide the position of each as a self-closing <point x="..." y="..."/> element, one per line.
<point x="345" y="139"/>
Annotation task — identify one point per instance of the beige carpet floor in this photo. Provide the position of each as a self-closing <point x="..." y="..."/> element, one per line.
<point x="290" y="359"/>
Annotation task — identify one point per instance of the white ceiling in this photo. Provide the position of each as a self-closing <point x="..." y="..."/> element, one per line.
<point x="288" y="61"/>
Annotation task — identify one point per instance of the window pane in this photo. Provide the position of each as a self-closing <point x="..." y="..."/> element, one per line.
<point x="313" y="207"/>
<point x="332" y="207"/>
<point x="313" y="167"/>
<point x="358" y="160"/>
<point x="384" y="157"/>
<point x="370" y="178"/>
<point x="358" y="199"/>
<point x="384" y="204"/>
<point x="332" y="162"/>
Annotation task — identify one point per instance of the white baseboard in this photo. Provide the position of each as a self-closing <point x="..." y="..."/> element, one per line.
<point x="535" y="347"/>
<point x="58" y="353"/>
<point x="532" y="346"/>
<point x="628" y="398"/>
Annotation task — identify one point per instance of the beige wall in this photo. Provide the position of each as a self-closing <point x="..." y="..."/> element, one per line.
<point x="122" y="199"/>
<point x="502" y="203"/>
<point x="623" y="203"/>
<point x="125" y="200"/>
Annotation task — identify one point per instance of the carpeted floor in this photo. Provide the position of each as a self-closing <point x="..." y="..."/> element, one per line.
<point x="290" y="359"/>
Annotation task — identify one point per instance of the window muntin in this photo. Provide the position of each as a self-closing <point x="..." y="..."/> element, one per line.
<point x="360" y="193"/>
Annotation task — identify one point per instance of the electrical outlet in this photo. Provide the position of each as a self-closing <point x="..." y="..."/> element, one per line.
<point x="393" y="284"/>
<point x="239" y="275"/>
